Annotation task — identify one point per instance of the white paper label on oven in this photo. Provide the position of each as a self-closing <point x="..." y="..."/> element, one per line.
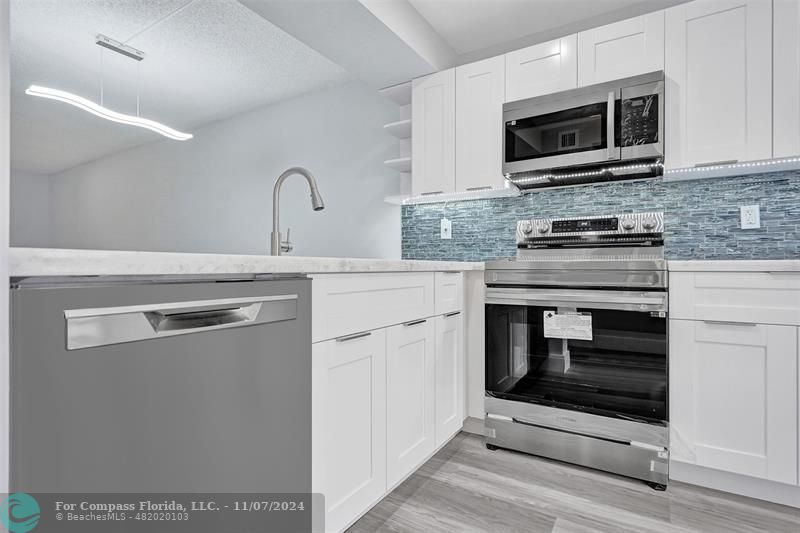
<point x="577" y="326"/>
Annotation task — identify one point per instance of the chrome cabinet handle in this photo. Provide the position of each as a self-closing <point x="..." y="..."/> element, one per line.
<point x="715" y="163"/>
<point x="484" y="188"/>
<point x="454" y="313"/>
<point x="431" y="193"/>
<point x="727" y="323"/>
<point x="354" y="336"/>
<point x="415" y="322"/>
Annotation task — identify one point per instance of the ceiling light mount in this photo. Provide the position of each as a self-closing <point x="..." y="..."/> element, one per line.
<point x="118" y="47"/>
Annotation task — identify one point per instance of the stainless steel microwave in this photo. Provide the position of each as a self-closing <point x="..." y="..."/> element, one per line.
<point x="598" y="126"/>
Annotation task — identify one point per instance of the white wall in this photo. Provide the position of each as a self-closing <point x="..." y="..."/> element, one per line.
<point x="30" y="209"/>
<point x="214" y="192"/>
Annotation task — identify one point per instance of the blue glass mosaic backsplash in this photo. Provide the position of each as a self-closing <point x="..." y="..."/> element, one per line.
<point x="701" y="217"/>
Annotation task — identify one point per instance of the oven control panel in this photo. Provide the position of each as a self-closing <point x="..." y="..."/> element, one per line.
<point x="584" y="224"/>
<point x="608" y="227"/>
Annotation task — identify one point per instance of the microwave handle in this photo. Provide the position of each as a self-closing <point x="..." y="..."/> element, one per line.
<point x="613" y="151"/>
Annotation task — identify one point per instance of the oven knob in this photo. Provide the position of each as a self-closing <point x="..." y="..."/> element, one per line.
<point x="649" y="223"/>
<point x="544" y="228"/>
<point x="526" y="227"/>
<point x="628" y="223"/>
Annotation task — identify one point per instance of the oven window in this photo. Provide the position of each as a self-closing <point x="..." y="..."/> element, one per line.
<point x="621" y="372"/>
<point x="579" y="129"/>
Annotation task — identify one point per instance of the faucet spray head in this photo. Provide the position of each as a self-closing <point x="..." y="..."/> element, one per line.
<point x="316" y="200"/>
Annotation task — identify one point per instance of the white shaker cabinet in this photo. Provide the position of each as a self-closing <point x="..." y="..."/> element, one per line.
<point x="433" y="132"/>
<point x="449" y="376"/>
<point x="733" y="397"/>
<point x="349" y="424"/>
<point x="718" y="64"/>
<point x="786" y="78"/>
<point x="480" y="93"/>
<point x="626" y="48"/>
<point x="410" y="397"/>
<point x="542" y="69"/>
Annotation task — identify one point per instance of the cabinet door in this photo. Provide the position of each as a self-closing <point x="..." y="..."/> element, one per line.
<point x="349" y="425"/>
<point x="733" y="397"/>
<point x="626" y="48"/>
<point x="786" y="78"/>
<point x="718" y="59"/>
<point x="433" y="133"/>
<point x="449" y="377"/>
<point x="410" y="373"/>
<point x="480" y="92"/>
<point x="542" y="69"/>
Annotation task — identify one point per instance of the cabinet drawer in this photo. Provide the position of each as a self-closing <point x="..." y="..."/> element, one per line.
<point x="755" y="297"/>
<point x="350" y="303"/>
<point x="449" y="292"/>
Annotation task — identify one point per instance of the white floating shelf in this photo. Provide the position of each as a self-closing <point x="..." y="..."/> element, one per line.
<point x="400" y="129"/>
<point x="452" y="196"/>
<point x="402" y="164"/>
<point x="399" y="94"/>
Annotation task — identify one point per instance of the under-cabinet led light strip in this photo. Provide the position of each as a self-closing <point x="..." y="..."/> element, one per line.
<point x="441" y="197"/>
<point x="763" y="164"/>
<point x="108" y="114"/>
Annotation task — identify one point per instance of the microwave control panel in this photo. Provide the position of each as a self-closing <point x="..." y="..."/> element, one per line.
<point x="639" y="120"/>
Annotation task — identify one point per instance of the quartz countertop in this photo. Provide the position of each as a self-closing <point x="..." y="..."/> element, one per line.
<point x="25" y="262"/>
<point x="776" y="265"/>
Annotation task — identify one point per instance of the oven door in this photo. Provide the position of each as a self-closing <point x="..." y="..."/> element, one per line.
<point x="597" y="351"/>
<point x="553" y="132"/>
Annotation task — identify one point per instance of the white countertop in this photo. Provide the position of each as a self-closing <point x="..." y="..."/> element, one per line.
<point x="25" y="262"/>
<point x="776" y="265"/>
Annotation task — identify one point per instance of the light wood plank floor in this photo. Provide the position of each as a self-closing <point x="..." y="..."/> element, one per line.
<point x="467" y="488"/>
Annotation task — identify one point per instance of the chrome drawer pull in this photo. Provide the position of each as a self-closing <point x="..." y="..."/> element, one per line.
<point x="454" y="313"/>
<point x="727" y="323"/>
<point x="717" y="163"/>
<point x="415" y="322"/>
<point x="354" y="336"/>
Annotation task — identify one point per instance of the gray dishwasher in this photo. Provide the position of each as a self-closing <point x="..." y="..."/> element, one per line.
<point x="161" y="386"/>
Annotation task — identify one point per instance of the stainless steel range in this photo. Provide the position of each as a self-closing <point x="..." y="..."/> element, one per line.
<point x="576" y="344"/>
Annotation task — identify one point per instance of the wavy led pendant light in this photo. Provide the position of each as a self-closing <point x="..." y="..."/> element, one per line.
<point x="103" y="112"/>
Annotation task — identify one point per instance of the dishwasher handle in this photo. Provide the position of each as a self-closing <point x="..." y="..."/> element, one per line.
<point x="88" y="328"/>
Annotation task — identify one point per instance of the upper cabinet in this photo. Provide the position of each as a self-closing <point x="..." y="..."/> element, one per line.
<point x="480" y="92"/>
<point x="542" y="69"/>
<point x="718" y="64"/>
<point x="433" y="133"/>
<point x="623" y="49"/>
<point x="786" y="78"/>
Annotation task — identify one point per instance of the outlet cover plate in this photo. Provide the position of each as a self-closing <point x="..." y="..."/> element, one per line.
<point x="750" y="217"/>
<point x="446" y="229"/>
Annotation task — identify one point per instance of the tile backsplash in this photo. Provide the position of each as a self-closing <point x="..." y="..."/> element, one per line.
<point x="701" y="217"/>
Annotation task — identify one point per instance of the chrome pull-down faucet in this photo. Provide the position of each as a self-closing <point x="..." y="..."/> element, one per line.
<point x="277" y="247"/>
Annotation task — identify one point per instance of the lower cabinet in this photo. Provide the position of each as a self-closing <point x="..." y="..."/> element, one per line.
<point x="449" y="376"/>
<point x="349" y="424"/>
<point x="410" y="401"/>
<point x="734" y="397"/>
<point x="383" y="402"/>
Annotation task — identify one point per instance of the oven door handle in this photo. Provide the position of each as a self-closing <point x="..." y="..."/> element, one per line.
<point x="616" y="300"/>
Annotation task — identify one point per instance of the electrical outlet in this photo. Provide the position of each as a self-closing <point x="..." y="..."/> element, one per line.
<point x="447" y="229"/>
<point x="750" y="217"/>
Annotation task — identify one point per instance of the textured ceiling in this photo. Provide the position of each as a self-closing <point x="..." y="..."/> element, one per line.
<point x="470" y="25"/>
<point x="210" y="60"/>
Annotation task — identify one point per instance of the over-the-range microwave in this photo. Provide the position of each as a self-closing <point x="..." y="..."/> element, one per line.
<point x="607" y="131"/>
